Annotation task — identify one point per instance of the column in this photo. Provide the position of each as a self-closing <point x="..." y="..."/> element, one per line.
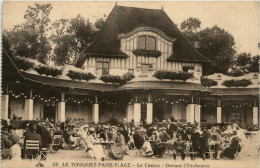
<point x="130" y="113"/>
<point x="255" y="116"/>
<point x="149" y="110"/>
<point x="137" y="113"/>
<point x="28" y="106"/>
<point x="219" y="112"/>
<point x="4" y="106"/>
<point x="197" y="113"/>
<point x="190" y="113"/>
<point x="61" y="108"/>
<point x="95" y="111"/>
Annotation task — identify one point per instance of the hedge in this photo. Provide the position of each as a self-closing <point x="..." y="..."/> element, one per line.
<point x="117" y="79"/>
<point x="49" y="71"/>
<point x="237" y="83"/>
<point x="23" y="63"/>
<point x="208" y="82"/>
<point x="147" y="53"/>
<point x="162" y="74"/>
<point x="80" y="75"/>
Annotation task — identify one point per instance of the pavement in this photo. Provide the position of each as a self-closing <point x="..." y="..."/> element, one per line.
<point x="247" y="158"/>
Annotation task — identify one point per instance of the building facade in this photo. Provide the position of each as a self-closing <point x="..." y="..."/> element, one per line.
<point x="141" y="42"/>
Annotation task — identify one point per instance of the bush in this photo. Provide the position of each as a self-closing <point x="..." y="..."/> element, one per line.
<point x="237" y="83"/>
<point x="23" y="63"/>
<point x="80" y="75"/>
<point x="88" y="76"/>
<point x="48" y="71"/>
<point x="117" y="79"/>
<point x="172" y="75"/>
<point x="208" y="82"/>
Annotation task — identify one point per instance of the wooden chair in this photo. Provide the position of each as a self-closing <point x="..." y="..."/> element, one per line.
<point x="32" y="145"/>
<point x="211" y="151"/>
<point x="56" y="141"/>
<point x="43" y="153"/>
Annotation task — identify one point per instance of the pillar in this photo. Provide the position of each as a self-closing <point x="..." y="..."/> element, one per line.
<point x="95" y="113"/>
<point x="130" y="112"/>
<point x="190" y="113"/>
<point x="4" y="106"/>
<point x="255" y="116"/>
<point x="219" y="111"/>
<point x="197" y="113"/>
<point x="137" y="113"/>
<point x="149" y="116"/>
<point x="28" y="107"/>
<point x="61" y="108"/>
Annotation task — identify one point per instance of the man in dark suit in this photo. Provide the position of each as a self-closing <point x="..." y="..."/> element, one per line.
<point x="45" y="136"/>
<point x="183" y="132"/>
<point x="195" y="137"/>
<point x="179" y="146"/>
<point x="125" y="130"/>
<point x="32" y="135"/>
<point x="170" y="128"/>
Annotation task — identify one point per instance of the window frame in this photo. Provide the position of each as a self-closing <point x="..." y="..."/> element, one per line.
<point x="102" y="66"/>
<point x="147" y="42"/>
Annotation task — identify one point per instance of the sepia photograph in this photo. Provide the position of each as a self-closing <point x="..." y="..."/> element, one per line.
<point x="142" y="84"/>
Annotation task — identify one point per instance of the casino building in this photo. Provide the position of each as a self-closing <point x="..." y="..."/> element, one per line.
<point x="141" y="42"/>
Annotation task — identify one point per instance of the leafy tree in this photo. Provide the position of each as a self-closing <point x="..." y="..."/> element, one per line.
<point x="254" y="65"/>
<point x="100" y="22"/>
<point x="30" y="38"/>
<point x="83" y="32"/>
<point x="214" y="43"/>
<point x="190" y="25"/>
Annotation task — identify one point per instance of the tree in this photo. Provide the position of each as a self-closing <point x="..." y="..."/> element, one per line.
<point x="100" y="22"/>
<point x="30" y="38"/>
<point x="83" y="33"/>
<point x="214" y="43"/>
<point x="254" y="65"/>
<point x="190" y="25"/>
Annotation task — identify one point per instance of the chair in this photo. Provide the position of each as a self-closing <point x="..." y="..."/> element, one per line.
<point x="43" y="153"/>
<point x="56" y="141"/>
<point x="33" y="145"/>
<point x="239" y="148"/>
<point x="211" y="151"/>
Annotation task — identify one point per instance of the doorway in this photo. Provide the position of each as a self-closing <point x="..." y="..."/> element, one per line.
<point x="49" y="112"/>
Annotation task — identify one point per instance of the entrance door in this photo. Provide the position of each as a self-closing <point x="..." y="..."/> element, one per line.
<point x="49" y="112"/>
<point x="144" y="68"/>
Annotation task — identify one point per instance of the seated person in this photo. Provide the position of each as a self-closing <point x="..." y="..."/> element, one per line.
<point x="231" y="150"/>
<point x="179" y="146"/>
<point x="216" y="137"/>
<point x="15" y="148"/>
<point x="32" y="135"/>
<point x="120" y="140"/>
<point x="164" y="137"/>
<point x="93" y="149"/>
<point x="105" y="135"/>
<point x="6" y="143"/>
<point x="58" y="132"/>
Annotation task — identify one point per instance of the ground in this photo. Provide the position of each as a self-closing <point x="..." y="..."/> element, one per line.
<point x="248" y="158"/>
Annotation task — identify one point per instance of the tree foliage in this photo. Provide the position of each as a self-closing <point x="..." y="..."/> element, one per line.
<point x="214" y="43"/>
<point x="30" y="38"/>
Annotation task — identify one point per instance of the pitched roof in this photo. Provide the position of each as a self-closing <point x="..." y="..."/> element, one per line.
<point x="125" y="19"/>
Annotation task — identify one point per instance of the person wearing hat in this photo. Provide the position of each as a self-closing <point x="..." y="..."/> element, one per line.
<point x="93" y="149"/>
<point x="6" y="143"/>
<point x="164" y="137"/>
<point x="105" y="134"/>
<point x="123" y="125"/>
<point x="203" y="142"/>
<point x="32" y="135"/>
<point x="120" y="140"/>
<point x="195" y="137"/>
<point x="179" y="146"/>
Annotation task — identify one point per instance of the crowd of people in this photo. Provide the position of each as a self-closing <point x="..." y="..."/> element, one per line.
<point x="150" y="140"/>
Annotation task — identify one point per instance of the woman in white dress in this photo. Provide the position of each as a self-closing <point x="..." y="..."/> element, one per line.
<point x="93" y="149"/>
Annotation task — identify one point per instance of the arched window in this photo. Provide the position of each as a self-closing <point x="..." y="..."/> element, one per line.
<point x="142" y="42"/>
<point x="151" y="43"/>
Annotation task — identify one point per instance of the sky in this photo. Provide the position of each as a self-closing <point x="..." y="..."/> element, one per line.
<point x="240" y="19"/>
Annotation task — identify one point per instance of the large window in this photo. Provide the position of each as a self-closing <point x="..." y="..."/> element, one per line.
<point x="103" y="68"/>
<point x="147" y="43"/>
